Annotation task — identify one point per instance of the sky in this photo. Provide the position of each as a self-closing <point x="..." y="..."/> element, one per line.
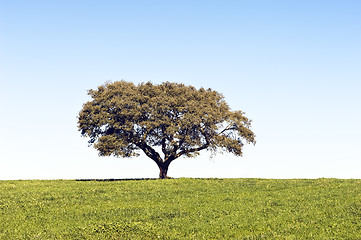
<point x="294" y="67"/>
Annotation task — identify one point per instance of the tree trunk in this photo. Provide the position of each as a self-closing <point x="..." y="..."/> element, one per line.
<point x="163" y="170"/>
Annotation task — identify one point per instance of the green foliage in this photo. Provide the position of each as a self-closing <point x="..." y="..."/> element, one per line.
<point x="181" y="209"/>
<point x="123" y="119"/>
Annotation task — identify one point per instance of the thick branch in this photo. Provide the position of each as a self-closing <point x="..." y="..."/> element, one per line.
<point x="150" y="152"/>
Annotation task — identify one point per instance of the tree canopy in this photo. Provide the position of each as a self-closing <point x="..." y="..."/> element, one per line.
<point x="165" y="121"/>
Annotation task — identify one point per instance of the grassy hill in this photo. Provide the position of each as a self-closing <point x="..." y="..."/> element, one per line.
<point x="181" y="209"/>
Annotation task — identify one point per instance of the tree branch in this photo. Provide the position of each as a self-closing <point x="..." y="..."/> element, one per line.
<point x="194" y="149"/>
<point x="229" y="127"/>
<point x="176" y="147"/>
<point x="144" y="137"/>
<point x="150" y="152"/>
<point x="164" y="147"/>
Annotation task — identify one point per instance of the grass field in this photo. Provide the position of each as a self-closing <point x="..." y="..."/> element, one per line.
<point x="181" y="209"/>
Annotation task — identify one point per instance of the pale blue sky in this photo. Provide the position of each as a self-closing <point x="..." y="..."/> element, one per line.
<point x="294" y="67"/>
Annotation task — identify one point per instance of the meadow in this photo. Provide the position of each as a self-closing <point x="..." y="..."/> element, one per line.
<point x="181" y="209"/>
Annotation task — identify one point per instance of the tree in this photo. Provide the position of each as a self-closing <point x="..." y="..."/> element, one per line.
<point x="177" y="120"/>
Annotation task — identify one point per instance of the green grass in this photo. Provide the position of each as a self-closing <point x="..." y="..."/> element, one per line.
<point x="181" y="209"/>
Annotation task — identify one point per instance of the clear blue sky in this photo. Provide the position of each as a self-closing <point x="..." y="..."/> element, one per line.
<point x="294" y="67"/>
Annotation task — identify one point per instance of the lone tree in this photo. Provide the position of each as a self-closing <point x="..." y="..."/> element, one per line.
<point x="176" y="119"/>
